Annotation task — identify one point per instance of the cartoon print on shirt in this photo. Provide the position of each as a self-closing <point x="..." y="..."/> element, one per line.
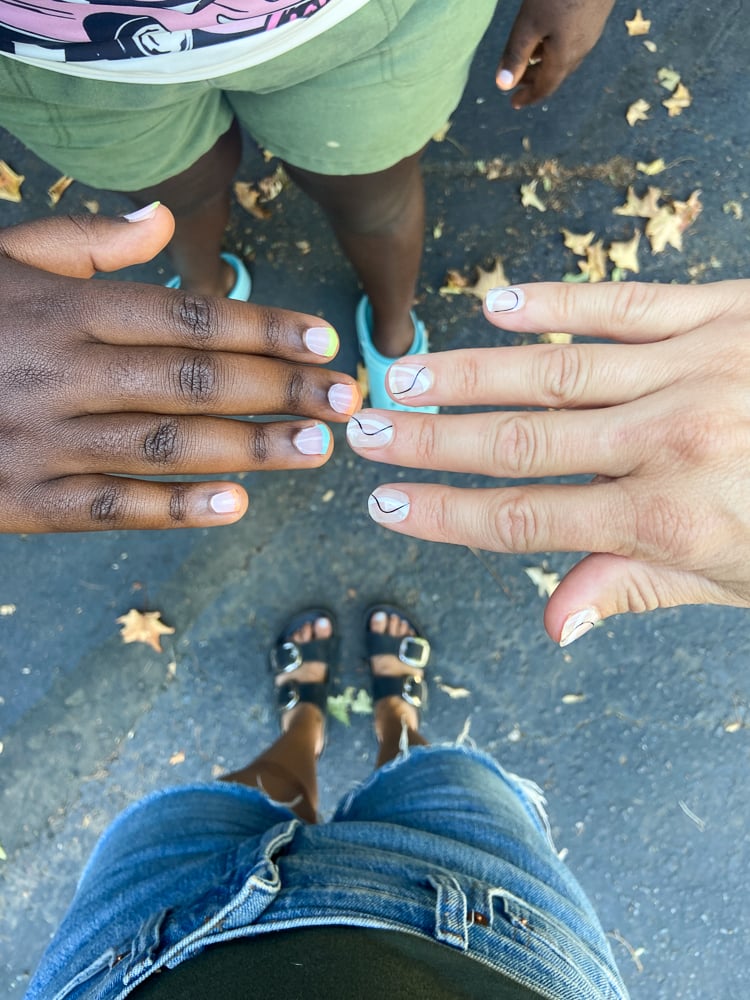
<point x="137" y="27"/>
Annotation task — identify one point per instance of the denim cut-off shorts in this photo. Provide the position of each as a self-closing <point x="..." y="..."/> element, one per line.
<point x="424" y="846"/>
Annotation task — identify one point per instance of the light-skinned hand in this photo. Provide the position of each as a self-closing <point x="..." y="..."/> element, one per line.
<point x="548" y="41"/>
<point x="661" y="420"/>
<point x="104" y="379"/>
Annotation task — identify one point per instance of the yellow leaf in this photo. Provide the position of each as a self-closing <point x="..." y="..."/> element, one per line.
<point x="92" y="206"/>
<point x="668" y="77"/>
<point x="639" y="25"/>
<point x="10" y="183"/>
<point x="529" y="197"/>
<point x="454" y="692"/>
<point x="440" y="135"/>
<point x="654" y="167"/>
<point x="143" y="627"/>
<point x="625" y="254"/>
<point x="666" y="228"/>
<point x="545" y="582"/>
<point x="7" y="609"/>
<point x="595" y="265"/>
<point x="496" y="168"/>
<point x="637" y="112"/>
<point x="641" y="208"/>
<point x="577" y="242"/>
<point x="679" y="100"/>
<point x="556" y="338"/>
<point x="177" y="758"/>
<point x="249" y="197"/>
<point x="58" y="189"/>
<point x="458" y="284"/>
<point x="651" y="46"/>
<point x="573" y="699"/>
<point x="733" y="208"/>
<point x="733" y="727"/>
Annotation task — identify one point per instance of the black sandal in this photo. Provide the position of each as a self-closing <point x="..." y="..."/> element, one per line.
<point x="286" y="656"/>
<point x="412" y="650"/>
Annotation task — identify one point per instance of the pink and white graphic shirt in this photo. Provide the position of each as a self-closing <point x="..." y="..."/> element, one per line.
<point x="109" y="40"/>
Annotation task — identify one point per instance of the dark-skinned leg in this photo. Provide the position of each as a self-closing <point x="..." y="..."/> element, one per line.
<point x="287" y="770"/>
<point x="199" y="199"/>
<point x="379" y="221"/>
<point x="392" y="715"/>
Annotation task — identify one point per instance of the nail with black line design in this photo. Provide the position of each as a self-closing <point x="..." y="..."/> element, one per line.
<point x="369" y="429"/>
<point x="407" y="380"/>
<point x="388" y="506"/>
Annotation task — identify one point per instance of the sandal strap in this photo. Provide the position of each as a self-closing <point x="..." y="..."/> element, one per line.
<point x="293" y="693"/>
<point x="287" y="656"/>
<point x="413" y="650"/>
<point x="407" y="687"/>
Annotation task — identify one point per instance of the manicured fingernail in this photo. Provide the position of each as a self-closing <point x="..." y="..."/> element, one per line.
<point x="227" y="502"/>
<point x="578" y="624"/>
<point x="505" y="78"/>
<point x="321" y="340"/>
<point x="343" y="398"/>
<point x="141" y="214"/>
<point x="504" y="300"/>
<point x="369" y="430"/>
<point x="315" y="440"/>
<point x="388" y="506"/>
<point x="409" y="380"/>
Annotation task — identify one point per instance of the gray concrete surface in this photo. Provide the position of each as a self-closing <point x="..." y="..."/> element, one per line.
<point x="645" y="773"/>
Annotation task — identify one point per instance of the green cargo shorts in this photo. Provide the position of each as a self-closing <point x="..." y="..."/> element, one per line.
<point x="356" y="99"/>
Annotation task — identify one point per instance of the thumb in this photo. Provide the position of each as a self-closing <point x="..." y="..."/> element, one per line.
<point x="522" y="45"/>
<point x="80" y="245"/>
<point x="603" y="585"/>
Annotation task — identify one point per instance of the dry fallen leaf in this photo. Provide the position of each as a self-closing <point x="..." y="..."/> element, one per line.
<point x="441" y="133"/>
<point x="595" y="265"/>
<point x="529" y="197"/>
<point x="545" y="583"/>
<point x="637" y="112"/>
<point x="10" y="183"/>
<point x="639" y="25"/>
<point x="679" y="100"/>
<point x="92" y="206"/>
<point x="578" y="242"/>
<point x="249" y="197"/>
<point x="328" y="496"/>
<point x="624" y="254"/>
<point x="144" y="627"/>
<point x="654" y="167"/>
<point x="7" y="609"/>
<point x="733" y="727"/>
<point x="271" y="187"/>
<point x="458" y="284"/>
<point x="651" y="46"/>
<point x="667" y="226"/>
<point x="303" y="246"/>
<point x="641" y="208"/>
<point x="668" y="77"/>
<point x="177" y="758"/>
<point x="454" y="692"/>
<point x="496" y="168"/>
<point x="556" y="338"/>
<point x="573" y="699"/>
<point x="733" y="208"/>
<point x="58" y="189"/>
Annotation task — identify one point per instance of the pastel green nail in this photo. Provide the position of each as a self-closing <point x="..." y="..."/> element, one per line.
<point x="315" y="440"/>
<point x="321" y="340"/>
<point x="578" y="624"/>
<point x="388" y="506"/>
<point x="406" y="380"/>
<point x="141" y="214"/>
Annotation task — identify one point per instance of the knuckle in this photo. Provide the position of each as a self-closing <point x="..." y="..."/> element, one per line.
<point x="469" y="377"/>
<point x="161" y="444"/>
<point x="272" y="331"/>
<point x="178" y="502"/>
<point x="425" y="444"/>
<point x="260" y="444"/>
<point x="107" y="506"/>
<point x="516" y="446"/>
<point x="294" y="390"/>
<point x="197" y="319"/>
<point x="640" y="595"/>
<point x="562" y="377"/>
<point x="196" y="378"/>
<point x="511" y="522"/>
<point x="665" y="529"/>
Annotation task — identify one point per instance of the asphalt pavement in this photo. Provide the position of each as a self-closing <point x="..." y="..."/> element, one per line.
<point x="639" y="733"/>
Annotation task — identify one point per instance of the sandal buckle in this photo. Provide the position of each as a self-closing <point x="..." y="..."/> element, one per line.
<point x="413" y="692"/>
<point x="288" y="696"/>
<point x="414" y="651"/>
<point x="286" y="658"/>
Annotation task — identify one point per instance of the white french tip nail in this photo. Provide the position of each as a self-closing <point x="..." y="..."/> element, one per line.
<point x="578" y="624"/>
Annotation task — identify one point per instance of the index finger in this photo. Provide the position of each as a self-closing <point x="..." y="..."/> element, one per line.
<point x="630" y="312"/>
<point x="140" y="315"/>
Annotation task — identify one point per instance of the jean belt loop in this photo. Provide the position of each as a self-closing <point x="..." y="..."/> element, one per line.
<point x="451" y="912"/>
